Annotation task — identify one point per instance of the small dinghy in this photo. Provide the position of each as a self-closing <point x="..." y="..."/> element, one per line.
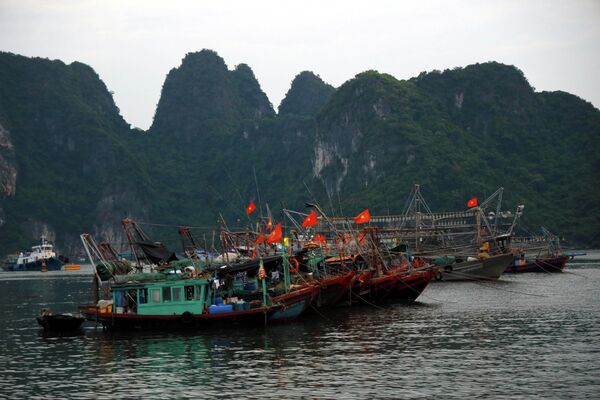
<point x="65" y="322"/>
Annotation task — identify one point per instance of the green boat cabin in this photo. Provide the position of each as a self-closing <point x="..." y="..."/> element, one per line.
<point x="162" y="297"/>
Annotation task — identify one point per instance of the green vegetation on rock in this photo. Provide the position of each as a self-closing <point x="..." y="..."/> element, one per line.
<point x="69" y="163"/>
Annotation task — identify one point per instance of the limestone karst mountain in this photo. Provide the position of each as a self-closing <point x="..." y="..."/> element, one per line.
<point x="69" y="162"/>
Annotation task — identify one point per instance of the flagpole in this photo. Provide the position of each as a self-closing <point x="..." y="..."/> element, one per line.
<point x="263" y="283"/>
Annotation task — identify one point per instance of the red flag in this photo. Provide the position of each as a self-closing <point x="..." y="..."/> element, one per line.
<point x="251" y="207"/>
<point x="276" y="235"/>
<point x="472" y="202"/>
<point x="260" y="239"/>
<point x="311" y="220"/>
<point x="269" y="224"/>
<point x="363" y="217"/>
<point x="319" y="238"/>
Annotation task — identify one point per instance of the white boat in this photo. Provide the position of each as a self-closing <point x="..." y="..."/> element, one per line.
<point x="41" y="258"/>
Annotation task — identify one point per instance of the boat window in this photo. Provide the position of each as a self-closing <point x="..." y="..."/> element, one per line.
<point x="198" y="291"/>
<point x="176" y="294"/>
<point x="166" y="292"/>
<point x="155" y="295"/>
<point x="189" y="293"/>
<point x="143" y="296"/>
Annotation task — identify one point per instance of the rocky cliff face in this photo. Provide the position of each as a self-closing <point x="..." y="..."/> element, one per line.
<point x="461" y="131"/>
<point x="63" y="145"/>
<point x="69" y="163"/>
<point x="208" y="127"/>
<point x="202" y="98"/>
<point x="8" y="171"/>
<point x="372" y="129"/>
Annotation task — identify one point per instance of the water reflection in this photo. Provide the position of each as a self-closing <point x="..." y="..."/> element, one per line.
<point x="530" y="335"/>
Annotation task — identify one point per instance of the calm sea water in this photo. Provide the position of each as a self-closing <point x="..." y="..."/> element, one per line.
<point x="528" y="335"/>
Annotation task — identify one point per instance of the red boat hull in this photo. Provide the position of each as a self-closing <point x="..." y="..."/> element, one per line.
<point x="256" y="316"/>
<point x="382" y="286"/>
<point x="334" y="290"/>
<point x="409" y="287"/>
<point x="368" y="288"/>
<point x="550" y="264"/>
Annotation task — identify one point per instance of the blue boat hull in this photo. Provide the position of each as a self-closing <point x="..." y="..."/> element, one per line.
<point x="52" y="264"/>
<point x="294" y="303"/>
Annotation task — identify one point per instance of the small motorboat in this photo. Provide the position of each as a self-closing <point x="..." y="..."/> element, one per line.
<point x="64" y="322"/>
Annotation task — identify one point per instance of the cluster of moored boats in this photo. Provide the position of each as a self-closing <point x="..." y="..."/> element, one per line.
<point x="271" y="280"/>
<point x="278" y="272"/>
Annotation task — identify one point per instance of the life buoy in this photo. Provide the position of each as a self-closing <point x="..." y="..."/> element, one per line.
<point x="296" y="268"/>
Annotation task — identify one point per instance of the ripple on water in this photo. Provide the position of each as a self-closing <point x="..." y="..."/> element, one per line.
<point x="528" y="335"/>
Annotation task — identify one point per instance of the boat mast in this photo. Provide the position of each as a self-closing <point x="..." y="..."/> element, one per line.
<point x="90" y="246"/>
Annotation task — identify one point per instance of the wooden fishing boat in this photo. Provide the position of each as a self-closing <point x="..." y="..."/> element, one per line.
<point x="334" y="289"/>
<point x="411" y="285"/>
<point x="191" y="303"/>
<point x="490" y="268"/>
<point x="381" y="285"/>
<point x="360" y="287"/>
<point x="64" y="322"/>
<point x="295" y="302"/>
<point x="185" y="295"/>
<point x="547" y="264"/>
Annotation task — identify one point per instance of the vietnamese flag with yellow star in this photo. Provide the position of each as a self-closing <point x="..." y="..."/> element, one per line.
<point x="363" y="217"/>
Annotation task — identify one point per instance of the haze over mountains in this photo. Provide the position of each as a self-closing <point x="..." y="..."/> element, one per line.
<point x="69" y="163"/>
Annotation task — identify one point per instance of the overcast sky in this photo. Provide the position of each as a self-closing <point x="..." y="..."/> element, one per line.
<point x="132" y="45"/>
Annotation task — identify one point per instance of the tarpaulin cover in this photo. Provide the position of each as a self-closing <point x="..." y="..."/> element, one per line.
<point x="157" y="252"/>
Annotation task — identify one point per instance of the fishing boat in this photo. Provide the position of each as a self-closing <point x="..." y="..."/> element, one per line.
<point x="334" y="289"/>
<point x="485" y="268"/>
<point x="412" y="284"/>
<point x="373" y="285"/>
<point x="543" y="264"/>
<point x="334" y="276"/>
<point x="364" y="284"/>
<point x="191" y="294"/>
<point x="380" y="285"/>
<point x="65" y="322"/>
<point x="172" y="304"/>
<point x="536" y="253"/>
<point x="295" y="302"/>
<point x="151" y="301"/>
<point x="41" y="258"/>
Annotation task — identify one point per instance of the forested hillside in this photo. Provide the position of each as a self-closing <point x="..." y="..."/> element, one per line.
<point x="69" y="163"/>
<point x="66" y="157"/>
